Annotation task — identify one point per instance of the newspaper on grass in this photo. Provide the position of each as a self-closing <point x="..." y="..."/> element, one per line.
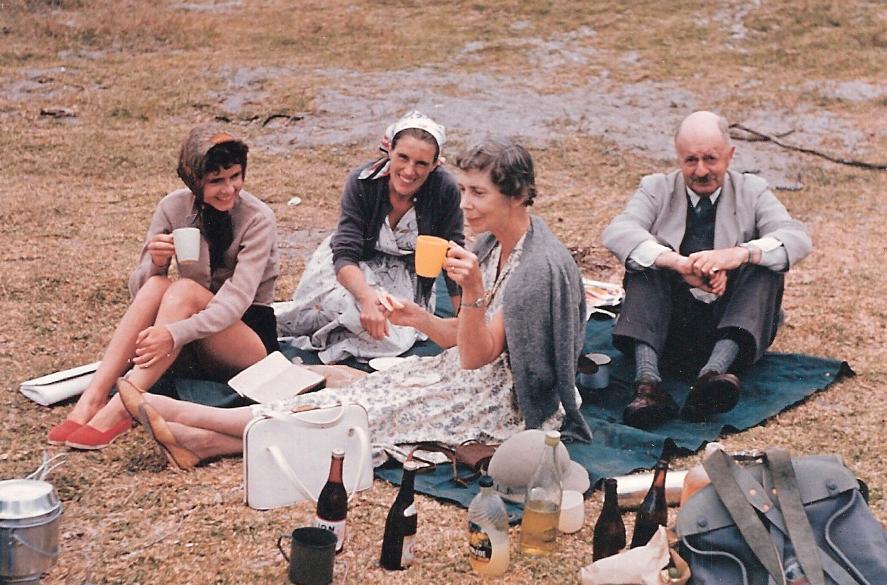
<point x="275" y="378"/>
<point x="59" y="386"/>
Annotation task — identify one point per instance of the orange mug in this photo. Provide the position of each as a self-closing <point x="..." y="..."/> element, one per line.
<point x="431" y="252"/>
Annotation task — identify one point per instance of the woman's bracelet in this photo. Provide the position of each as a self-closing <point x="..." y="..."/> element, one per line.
<point x="478" y="303"/>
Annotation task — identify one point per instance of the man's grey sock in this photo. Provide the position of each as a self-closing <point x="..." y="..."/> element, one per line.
<point x="722" y="357"/>
<point x="647" y="364"/>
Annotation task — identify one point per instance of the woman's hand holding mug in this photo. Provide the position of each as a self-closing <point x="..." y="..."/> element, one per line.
<point x="161" y="249"/>
<point x="463" y="268"/>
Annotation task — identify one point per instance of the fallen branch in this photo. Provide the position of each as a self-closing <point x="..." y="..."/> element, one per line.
<point x="289" y="118"/>
<point x="759" y="138"/>
<point x="843" y="161"/>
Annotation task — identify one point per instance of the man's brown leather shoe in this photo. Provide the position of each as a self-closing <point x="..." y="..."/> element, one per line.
<point x="712" y="393"/>
<point x="650" y="407"/>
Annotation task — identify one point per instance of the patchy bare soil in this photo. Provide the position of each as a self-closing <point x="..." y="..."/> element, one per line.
<point x="95" y="96"/>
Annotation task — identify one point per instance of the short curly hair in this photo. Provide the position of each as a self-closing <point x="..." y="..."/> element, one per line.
<point x="509" y="164"/>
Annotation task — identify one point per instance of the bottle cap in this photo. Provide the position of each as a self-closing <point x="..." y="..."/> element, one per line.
<point x="485" y="481"/>
<point x="410" y="465"/>
<point x="340" y="453"/>
<point x="552" y="438"/>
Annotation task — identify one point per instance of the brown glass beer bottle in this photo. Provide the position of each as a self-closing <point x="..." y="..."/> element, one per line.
<point x="653" y="512"/>
<point x="609" y="530"/>
<point x="332" y="504"/>
<point x="400" y="526"/>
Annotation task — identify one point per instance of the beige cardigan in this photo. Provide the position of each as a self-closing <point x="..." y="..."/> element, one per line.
<point x="250" y="270"/>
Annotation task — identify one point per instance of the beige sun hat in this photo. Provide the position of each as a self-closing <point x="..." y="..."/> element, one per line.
<point x="516" y="459"/>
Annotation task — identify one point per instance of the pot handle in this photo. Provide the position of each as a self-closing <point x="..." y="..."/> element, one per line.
<point x="53" y="554"/>
<point x="280" y="548"/>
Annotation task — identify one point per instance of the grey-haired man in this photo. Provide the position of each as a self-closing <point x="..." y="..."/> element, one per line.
<point x="705" y="249"/>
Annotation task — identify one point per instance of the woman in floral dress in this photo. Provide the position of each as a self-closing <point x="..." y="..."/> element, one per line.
<point x="385" y="206"/>
<point x="512" y="348"/>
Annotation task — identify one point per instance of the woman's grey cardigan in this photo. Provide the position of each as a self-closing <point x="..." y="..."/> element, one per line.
<point x="544" y="308"/>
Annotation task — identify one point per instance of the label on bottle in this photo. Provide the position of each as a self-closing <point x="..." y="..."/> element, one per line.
<point x="410" y="511"/>
<point x="406" y="555"/>
<point x="479" y="546"/>
<point x="337" y="527"/>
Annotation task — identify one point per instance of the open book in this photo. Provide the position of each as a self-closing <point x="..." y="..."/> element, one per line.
<point x="59" y="386"/>
<point x="275" y="378"/>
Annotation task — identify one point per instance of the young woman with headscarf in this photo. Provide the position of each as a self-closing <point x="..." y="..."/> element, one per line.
<point x="216" y="318"/>
<point x="386" y="204"/>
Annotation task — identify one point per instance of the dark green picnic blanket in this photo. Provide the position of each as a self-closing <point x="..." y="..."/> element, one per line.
<point x="776" y="382"/>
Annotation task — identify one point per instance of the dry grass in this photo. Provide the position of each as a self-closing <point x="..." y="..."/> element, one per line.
<point x="79" y="190"/>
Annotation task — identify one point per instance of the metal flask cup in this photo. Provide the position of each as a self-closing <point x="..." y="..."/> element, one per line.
<point x="312" y="555"/>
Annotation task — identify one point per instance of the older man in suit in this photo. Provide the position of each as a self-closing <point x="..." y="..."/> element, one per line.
<point x="705" y="249"/>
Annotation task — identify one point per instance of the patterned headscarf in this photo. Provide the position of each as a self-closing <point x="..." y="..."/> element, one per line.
<point x="192" y="157"/>
<point x="215" y="225"/>
<point x="413" y="119"/>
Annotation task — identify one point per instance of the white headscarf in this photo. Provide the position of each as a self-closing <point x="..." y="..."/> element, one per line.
<point x="412" y="119"/>
<point x="416" y="119"/>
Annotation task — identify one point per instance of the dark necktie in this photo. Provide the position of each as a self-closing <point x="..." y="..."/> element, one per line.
<point x="703" y="207"/>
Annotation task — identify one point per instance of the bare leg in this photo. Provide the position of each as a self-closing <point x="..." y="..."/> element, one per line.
<point x="141" y="313"/>
<point x="236" y="347"/>
<point x="204" y="443"/>
<point x="226" y="421"/>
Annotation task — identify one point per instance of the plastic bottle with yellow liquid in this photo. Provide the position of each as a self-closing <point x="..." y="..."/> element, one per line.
<point x="488" y="531"/>
<point x="542" y="508"/>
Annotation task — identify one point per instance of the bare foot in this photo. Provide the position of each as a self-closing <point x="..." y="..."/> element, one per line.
<point x="83" y="411"/>
<point x="109" y="415"/>
<point x="203" y="443"/>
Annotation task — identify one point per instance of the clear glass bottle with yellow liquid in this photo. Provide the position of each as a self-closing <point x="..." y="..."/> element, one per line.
<point x="538" y="535"/>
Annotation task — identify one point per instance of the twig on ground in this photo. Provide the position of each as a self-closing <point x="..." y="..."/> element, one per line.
<point x="759" y="138"/>
<point x="289" y="118"/>
<point x="843" y="161"/>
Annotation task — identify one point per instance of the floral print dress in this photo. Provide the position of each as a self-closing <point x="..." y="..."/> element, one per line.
<point x="324" y="317"/>
<point x="433" y="398"/>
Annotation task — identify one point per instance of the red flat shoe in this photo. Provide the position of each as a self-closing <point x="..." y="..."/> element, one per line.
<point x="60" y="432"/>
<point x="87" y="437"/>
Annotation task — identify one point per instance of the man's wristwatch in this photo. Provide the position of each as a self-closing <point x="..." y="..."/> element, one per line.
<point x="748" y="248"/>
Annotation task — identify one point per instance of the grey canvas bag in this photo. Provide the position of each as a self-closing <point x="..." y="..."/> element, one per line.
<point x="764" y="523"/>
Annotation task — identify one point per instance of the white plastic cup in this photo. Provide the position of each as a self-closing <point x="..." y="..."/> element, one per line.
<point x="572" y="512"/>
<point x="187" y="243"/>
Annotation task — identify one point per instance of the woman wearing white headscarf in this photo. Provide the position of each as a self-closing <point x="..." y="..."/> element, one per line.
<point x="385" y="205"/>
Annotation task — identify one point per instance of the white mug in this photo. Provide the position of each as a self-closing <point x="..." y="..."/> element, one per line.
<point x="187" y="243"/>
